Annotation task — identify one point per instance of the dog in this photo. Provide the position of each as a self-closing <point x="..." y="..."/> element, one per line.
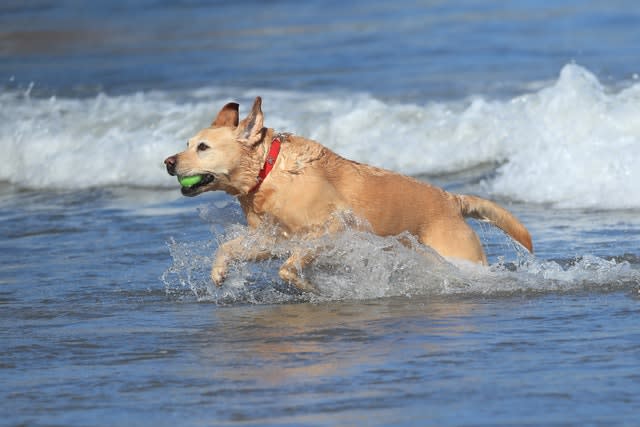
<point x="302" y="187"/>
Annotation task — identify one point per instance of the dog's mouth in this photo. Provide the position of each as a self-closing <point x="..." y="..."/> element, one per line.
<point x="194" y="184"/>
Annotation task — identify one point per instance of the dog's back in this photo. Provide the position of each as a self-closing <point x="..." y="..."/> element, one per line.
<point x="391" y="203"/>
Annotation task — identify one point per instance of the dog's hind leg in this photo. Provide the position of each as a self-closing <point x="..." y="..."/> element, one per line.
<point x="458" y="241"/>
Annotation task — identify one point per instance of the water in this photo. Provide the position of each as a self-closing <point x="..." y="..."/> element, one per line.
<point x="107" y="316"/>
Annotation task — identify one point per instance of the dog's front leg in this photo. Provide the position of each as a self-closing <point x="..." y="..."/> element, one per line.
<point x="235" y="249"/>
<point x="291" y="270"/>
<point x="225" y="253"/>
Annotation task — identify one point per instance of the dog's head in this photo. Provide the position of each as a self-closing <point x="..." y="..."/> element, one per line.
<point x="222" y="155"/>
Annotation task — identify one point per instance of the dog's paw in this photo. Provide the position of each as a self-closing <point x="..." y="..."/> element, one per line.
<point x="291" y="276"/>
<point x="218" y="273"/>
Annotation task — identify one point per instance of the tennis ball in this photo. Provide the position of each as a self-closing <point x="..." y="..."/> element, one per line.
<point x="189" y="181"/>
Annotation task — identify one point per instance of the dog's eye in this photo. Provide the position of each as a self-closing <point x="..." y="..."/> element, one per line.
<point x="202" y="146"/>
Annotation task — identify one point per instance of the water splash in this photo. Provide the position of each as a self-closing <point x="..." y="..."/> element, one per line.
<point x="357" y="265"/>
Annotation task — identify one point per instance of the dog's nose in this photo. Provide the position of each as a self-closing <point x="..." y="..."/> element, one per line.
<point x="170" y="162"/>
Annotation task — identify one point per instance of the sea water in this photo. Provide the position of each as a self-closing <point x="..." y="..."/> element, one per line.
<point x="107" y="312"/>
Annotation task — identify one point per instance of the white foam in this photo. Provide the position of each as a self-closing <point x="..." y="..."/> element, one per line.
<point x="99" y="141"/>
<point x="574" y="143"/>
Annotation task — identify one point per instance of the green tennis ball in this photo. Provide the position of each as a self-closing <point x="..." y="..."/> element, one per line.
<point x="189" y="181"/>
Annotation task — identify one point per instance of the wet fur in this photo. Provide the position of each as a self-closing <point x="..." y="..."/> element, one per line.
<point x="310" y="184"/>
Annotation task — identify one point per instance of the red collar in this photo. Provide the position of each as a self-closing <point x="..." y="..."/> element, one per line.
<point x="268" y="163"/>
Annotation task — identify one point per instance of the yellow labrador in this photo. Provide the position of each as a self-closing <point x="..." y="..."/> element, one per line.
<point x="302" y="187"/>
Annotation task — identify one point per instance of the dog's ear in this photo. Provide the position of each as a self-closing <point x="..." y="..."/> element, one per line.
<point x="250" y="129"/>
<point x="228" y="116"/>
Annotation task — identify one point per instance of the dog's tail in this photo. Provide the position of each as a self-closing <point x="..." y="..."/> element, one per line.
<point x="485" y="210"/>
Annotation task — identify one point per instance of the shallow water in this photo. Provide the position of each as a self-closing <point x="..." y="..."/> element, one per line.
<point x="107" y="316"/>
<point x="97" y="329"/>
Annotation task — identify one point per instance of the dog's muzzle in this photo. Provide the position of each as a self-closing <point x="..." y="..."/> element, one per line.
<point x="170" y="162"/>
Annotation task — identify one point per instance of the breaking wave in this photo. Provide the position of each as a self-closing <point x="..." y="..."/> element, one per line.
<point x="575" y="143"/>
